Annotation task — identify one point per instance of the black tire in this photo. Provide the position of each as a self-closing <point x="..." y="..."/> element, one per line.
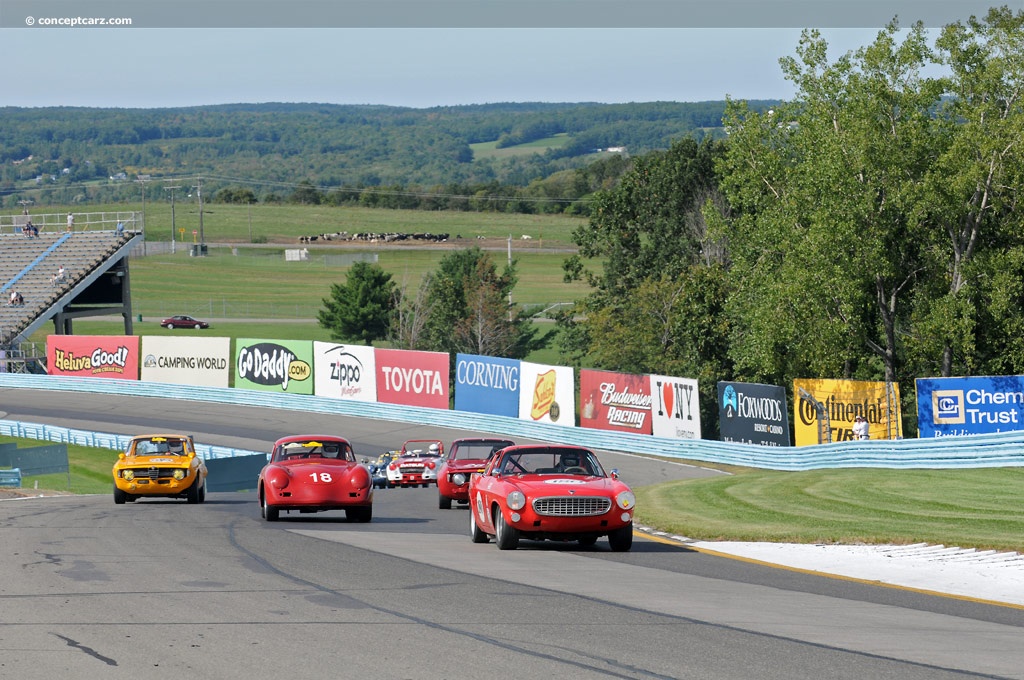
<point x="506" y="536"/>
<point x="202" y="492"/>
<point x="269" y="512"/>
<point x="192" y="495"/>
<point x="621" y="540"/>
<point x="363" y="513"/>
<point x="120" y="497"/>
<point x="443" y="502"/>
<point x="475" y="534"/>
<point x="587" y="541"/>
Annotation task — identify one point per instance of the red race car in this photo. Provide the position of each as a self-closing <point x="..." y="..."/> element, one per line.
<point x="549" y="492"/>
<point x="416" y="463"/>
<point x="464" y="457"/>
<point x="314" y="473"/>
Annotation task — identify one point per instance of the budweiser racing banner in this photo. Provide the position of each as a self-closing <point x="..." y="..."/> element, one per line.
<point x="487" y="385"/>
<point x="751" y="413"/>
<point x="344" y="371"/>
<point x="93" y="356"/>
<point x="412" y="378"/>
<point x="615" y="401"/>
<point x="547" y="394"/>
<point x="951" y="407"/>
<point x="186" y="360"/>
<point x="274" y="365"/>
<point x="840" y="402"/>
<point x="676" y="407"/>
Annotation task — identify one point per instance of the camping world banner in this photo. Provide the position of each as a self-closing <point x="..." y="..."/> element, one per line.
<point x="186" y="360"/>
<point x="620" y="402"/>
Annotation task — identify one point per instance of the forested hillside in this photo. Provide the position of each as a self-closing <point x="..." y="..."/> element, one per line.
<point x="76" y="152"/>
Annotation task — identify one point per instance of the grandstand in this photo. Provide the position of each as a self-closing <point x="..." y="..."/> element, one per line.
<point x="96" y="282"/>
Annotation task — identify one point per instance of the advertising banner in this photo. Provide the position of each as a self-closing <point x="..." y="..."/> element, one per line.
<point x="547" y="394"/>
<point x="952" y="407"/>
<point x="620" y="402"/>
<point x="752" y="413"/>
<point x="186" y="360"/>
<point x="274" y="365"/>
<point x="93" y="356"/>
<point x="344" y="371"/>
<point x="487" y="385"/>
<point x="842" y="401"/>
<point x="412" y="378"/>
<point x="676" y="407"/>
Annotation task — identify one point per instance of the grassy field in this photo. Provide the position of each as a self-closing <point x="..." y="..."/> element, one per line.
<point x="971" y="509"/>
<point x="490" y="150"/>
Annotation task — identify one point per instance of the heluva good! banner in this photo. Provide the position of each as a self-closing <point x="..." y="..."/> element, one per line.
<point x="840" y="402"/>
<point x="620" y="402"/>
<point x="675" y="407"/>
<point x="344" y="371"/>
<point x="93" y="356"/>
<point x="412" y="378"/>
<point x="186" y="360"/>
<point x="547" y="394"/>
<point x="487" y="385"/>
<point x="274" y="365"/>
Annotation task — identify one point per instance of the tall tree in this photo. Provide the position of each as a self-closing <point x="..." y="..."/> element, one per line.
<point x="360" y="310"/>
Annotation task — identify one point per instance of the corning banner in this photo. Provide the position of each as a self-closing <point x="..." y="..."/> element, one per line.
<point x="487" y="385"/>
<point x="950" y="407"/>
<point x="844" y="400"/>
<point x="675" y="407"/>
<point x="274" y="365"/>
<point x="344" y="371"/>
<point x="547" y="394"/>
<point x="186" y="360"/>
<point x="620" y="402"/>
<point x="93" y="356"/>
<point x="752" y="413"/>
<point x="412" y="378"/>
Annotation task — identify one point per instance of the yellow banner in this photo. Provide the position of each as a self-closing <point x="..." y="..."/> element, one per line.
<point x="842" y="401"/>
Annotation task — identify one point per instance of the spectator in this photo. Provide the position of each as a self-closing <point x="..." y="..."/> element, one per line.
<point x="120" y="228"/>
<point x="861" y="428"/>
<point x="34" y="229"/>
<point x="71" y="222"/>
<point x="14" y="299"/>
<point x="27" y="230"/>
<point x="59" y="277"/>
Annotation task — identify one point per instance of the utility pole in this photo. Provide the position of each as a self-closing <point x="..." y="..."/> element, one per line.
<point x="199" y="193"/>
<point x="142" y="179"/>
<point x="172" y="190"/>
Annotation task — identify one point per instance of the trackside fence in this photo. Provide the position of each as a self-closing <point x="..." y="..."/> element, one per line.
<point x="975" y="451"/>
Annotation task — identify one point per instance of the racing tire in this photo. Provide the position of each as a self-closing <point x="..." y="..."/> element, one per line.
<point x="621" y="540"/>
<point x="120" y="497"/>
<point x="363" y="513"/>
<point x="443" y="502"/>
<point x="269" y="512"/>
<point x="506" y="536"/>
<point x="475" y="534"/>
<point x="192" y="495"/>
<point x="202" y="492"/>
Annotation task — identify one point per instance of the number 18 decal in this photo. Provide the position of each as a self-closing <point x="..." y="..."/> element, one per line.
<point x="324" y="477"/>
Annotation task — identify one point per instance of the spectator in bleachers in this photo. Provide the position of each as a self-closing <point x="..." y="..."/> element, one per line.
<point x="60" y="277"/>
<point x="120" y="228"/>
<point x="17" y="299"/>
<point x="71" y="222"/>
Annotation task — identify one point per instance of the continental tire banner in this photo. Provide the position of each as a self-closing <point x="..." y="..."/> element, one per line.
<point x="842" y="401"/>
<point x="752" y="413"/>
<point x="620" y="402"/>
<point x="547" y="394"/>
<point x="412" y="378"/>
<point x="487" y="385"/>
<point x="953" y="407"/>
<point x="344" y="371"/>
<point x="93" y="356"/>
<point x="186" y="360"/>
<point x="675" y="407"/>
<point x="274" y="365"/>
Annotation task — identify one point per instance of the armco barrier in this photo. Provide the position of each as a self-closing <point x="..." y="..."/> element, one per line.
<point x="997" y="450"/>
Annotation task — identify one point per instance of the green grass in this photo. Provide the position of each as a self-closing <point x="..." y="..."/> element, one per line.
<point x="491" y="150"/>
<point x="968" y="508"/>
<point x="90" y="470"/>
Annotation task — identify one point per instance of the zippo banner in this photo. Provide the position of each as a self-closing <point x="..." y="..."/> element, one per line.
<point x="344" y="371"/>
<point x="952" y="407"/>
<point x="186" y="360"/>
<point x="843" y="401"/>
<point x="676" y="407"/>
<point x="547" y="394"/>
<point x="274" y="365"/>
<point x="620" y="402"/>
<point x="752" y="413"/>
<point x="412" y="378"/>
<point x="93" y="356"/>
<point x="487" y="385"/>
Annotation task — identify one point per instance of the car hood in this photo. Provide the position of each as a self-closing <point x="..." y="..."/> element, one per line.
<point x="465" y="464"/>
<point x="159" y="460"/>
<point x="565" y="485"/>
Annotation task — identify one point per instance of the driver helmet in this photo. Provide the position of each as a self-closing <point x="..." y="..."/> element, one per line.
<point x="433" y="448"/>
<point x="570" y="460"/>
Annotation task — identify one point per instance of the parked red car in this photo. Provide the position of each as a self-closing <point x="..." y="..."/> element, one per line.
<point x="183" y="321"/>
<point x="464" y="457"/>
<point x="314" y="473"/>
<point x="549" y="492"/>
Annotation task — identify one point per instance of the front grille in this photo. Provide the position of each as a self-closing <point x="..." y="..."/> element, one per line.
<point x="572" y="506"/>
<point x="154" y="473"/>
<point x="412" y="469"/>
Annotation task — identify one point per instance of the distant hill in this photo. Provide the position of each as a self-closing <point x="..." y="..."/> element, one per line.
<point x="332" y="145"/>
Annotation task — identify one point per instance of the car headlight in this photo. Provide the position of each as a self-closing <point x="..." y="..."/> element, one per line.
<point x="128" y="475"/>
<point x="515" y="500"/>
<point x="458" y="479"/>
<point x="179" y="474"/>
<point x="626" y="500"/>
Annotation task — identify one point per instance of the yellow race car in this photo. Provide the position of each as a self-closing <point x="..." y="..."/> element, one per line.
<point x="160" y="465"/>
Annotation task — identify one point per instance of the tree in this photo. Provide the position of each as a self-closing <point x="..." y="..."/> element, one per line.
<point x="361" y="309"/>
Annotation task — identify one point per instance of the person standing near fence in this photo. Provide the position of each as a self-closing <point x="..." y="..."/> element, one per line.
<point x="861" y="428"/>
<point x="71" y="222"/>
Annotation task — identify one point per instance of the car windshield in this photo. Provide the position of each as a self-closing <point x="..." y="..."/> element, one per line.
<point x="477" y="450"/>
<point x="313" y="450"/>
<point x="159" y="445"/>
<point x="550" y="461"/>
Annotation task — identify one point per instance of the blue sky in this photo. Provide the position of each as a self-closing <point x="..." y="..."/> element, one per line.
<point x="148" y="68"/>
